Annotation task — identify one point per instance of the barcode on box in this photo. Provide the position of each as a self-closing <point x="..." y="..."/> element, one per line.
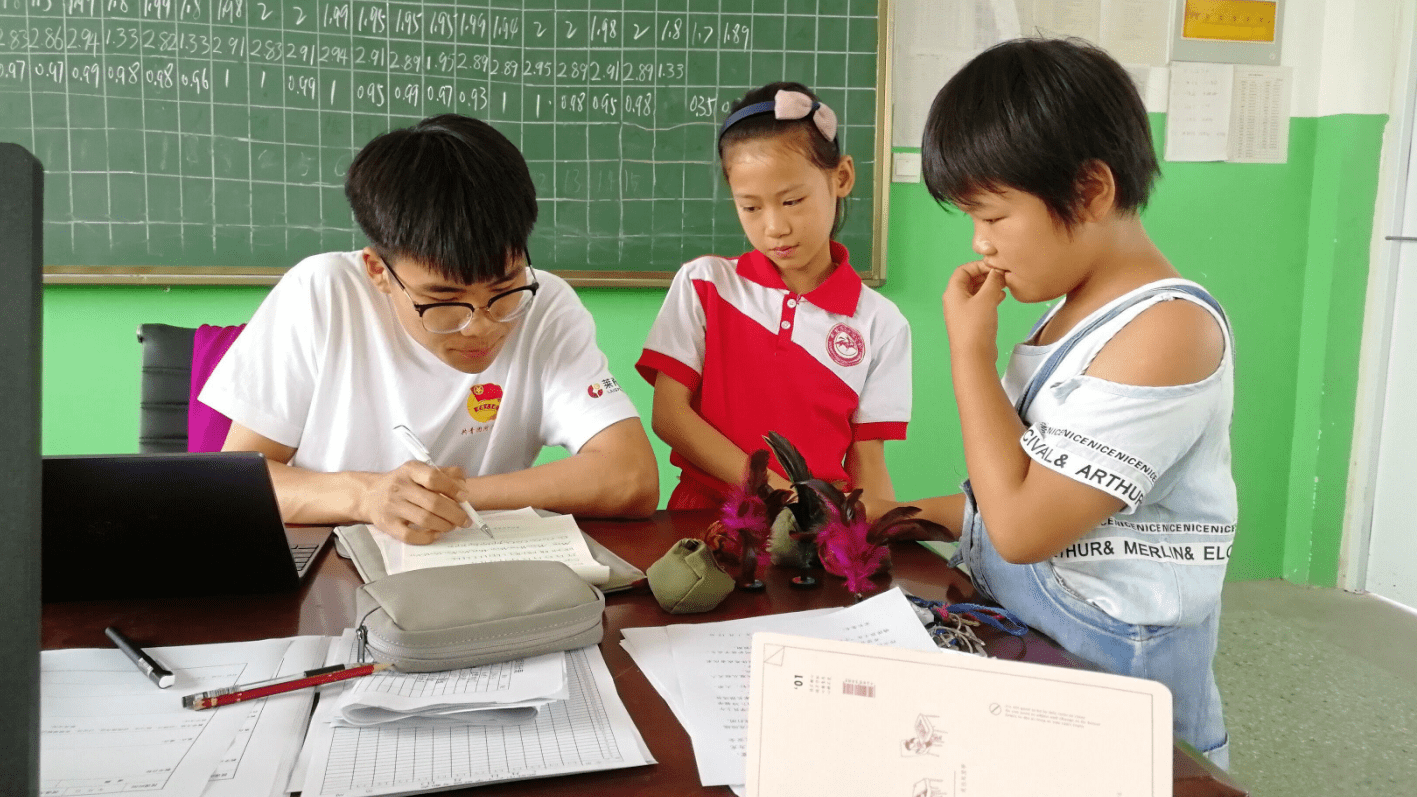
<point x="858" y="688"/>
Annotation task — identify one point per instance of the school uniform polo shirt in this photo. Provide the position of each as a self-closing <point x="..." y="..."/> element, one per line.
<point x="824" y="369"/>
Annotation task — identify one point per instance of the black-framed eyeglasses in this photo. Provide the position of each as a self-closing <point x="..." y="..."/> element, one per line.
<point x="443" y="318"/>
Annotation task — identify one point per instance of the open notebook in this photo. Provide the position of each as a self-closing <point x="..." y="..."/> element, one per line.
<point x="167" y="525"/>
<point x="518" y="534"/>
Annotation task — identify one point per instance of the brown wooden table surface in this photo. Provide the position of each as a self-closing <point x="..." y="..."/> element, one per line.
<point x="325" y="605"/>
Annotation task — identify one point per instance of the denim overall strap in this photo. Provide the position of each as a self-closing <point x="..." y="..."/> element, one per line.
<point x="1069" y="343"/>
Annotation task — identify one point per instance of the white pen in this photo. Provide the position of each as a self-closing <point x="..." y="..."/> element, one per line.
<point x="420" y="453"/>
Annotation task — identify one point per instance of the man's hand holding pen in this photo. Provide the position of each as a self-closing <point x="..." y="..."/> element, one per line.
<point x="439" y="485"/>
<point x="415" y="502"/>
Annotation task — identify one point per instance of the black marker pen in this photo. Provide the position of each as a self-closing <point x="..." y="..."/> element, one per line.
<point x="150" y="668"/>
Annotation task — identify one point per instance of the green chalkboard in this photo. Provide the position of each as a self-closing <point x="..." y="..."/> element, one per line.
<point x="206" y="140"/>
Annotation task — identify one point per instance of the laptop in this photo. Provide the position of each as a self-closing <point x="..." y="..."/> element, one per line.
<point x="167" y="525"/>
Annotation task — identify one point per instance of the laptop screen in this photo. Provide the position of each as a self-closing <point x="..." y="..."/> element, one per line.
<point x="161" y="525"/>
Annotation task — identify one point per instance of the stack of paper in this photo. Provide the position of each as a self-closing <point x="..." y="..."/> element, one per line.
<point x="701" y="670"/>
<point x="520" y="534"/>
<point x="588" y="729"/>
<point x="505" y="693"/>
<point x="106" y="729"/>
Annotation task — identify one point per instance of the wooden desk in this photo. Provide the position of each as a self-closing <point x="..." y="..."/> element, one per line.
<point x="325" y="606"/>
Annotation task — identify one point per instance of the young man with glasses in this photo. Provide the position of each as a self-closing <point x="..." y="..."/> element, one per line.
<point x="441" y="325"/>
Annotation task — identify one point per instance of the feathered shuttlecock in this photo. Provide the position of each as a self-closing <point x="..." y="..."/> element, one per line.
<point x="812" y="493"/>
<point x="844" y="549"/>
<point x="824" y="524"/>
<point x="745" y="519"/>
<point x="793" y="541"/>
<point x="856" y="550"/>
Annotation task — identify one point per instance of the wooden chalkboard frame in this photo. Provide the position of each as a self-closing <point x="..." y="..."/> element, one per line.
<point x="874" y="274"/>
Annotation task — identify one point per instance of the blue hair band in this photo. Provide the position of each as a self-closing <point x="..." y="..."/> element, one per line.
<point x="746" y="111"/>
<point x="788" y="106"/>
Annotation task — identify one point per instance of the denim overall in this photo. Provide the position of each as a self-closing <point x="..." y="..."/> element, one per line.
<point x="1178" y="656"/>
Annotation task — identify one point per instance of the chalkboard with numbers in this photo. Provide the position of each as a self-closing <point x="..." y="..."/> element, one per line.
<point x="207" y="140"/>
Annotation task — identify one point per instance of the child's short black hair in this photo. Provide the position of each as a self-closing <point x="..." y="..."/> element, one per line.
<point x="1033" y="115"/>
<point x="800" y="134"/>
<point x="450" y="193"/>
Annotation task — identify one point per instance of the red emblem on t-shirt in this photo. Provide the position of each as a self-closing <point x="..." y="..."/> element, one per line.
<point x="845" y="345"/>
<point x="595" y="390"/>
<point x="483" y="401"/>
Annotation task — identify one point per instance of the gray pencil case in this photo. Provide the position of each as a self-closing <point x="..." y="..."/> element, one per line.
<point x="445" y="618"/>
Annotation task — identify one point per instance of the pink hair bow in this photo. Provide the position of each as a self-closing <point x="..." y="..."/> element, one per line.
<point x="796" y="105"/>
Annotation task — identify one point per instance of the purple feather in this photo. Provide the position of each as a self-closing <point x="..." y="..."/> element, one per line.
<point x="844" y="549"/>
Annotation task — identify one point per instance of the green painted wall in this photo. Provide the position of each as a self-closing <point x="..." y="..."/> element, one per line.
<point x="1284" y="248"/>
<point x="1330" y="332"/>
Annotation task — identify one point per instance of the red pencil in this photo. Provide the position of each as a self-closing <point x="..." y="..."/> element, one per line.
<point x="276" y="686"/>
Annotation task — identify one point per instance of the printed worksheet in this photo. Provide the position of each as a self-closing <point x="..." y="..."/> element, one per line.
<point x="106" y="729"/>
<point x="1259" y="114"/>
<point x="590" y="730"/>
<point x="901" y="723"/>
<point x="649" y="647"/>
<point x="1198" y="111"/>
<point x="712" y="661"/>
<point x="520" y="535"/>
<point x="261" y="756"/>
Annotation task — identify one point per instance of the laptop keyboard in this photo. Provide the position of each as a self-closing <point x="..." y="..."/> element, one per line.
<point x="303" y="554"/>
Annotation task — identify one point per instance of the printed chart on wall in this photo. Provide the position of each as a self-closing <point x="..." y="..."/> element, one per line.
<point x="206" y="140"/>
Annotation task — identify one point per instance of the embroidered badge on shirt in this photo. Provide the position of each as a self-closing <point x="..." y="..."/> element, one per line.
<point x="845" y="345"/>
<point x="483" y="402"/>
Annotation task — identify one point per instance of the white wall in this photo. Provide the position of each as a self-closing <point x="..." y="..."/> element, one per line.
<point x="1378" y="542"/>
<point x="1345" y="53"/>
<point x="1392" y="554"/>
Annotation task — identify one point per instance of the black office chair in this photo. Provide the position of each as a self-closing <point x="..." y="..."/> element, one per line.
<point x="167" y="387"/>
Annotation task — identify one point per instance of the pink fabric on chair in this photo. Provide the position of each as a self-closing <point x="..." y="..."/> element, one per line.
<point x="207" y="428"/>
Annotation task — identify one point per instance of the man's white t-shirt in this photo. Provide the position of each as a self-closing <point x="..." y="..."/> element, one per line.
<point x="325" y="367"/>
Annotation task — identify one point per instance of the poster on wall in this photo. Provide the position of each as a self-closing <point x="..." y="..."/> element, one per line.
<point x="934" y="38"/>
<point x="1198" y="114"/>
<point x="1228" y="31"/>
<point x="1228" y="112"/>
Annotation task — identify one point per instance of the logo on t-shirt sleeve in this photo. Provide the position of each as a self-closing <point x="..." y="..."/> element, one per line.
<point x="846" y="346"/>
<point x="598" y="389"/>
<point x="483" y="402"/>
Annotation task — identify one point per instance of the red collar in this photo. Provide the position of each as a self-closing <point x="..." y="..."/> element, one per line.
<point x="838" y="294"/>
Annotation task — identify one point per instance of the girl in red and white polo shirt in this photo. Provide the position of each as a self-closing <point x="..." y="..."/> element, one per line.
<point x="785" y="337"/>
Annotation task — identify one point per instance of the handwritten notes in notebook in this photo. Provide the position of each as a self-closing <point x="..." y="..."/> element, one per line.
<point x="519" y="534"/>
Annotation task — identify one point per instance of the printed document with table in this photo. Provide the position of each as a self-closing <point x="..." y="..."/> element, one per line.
<point x="589" y="730"/>
<point x="106" y="729"/>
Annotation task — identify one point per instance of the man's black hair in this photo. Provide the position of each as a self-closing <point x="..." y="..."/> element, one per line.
<point x="1034" y="115"/>
<point x="450" y="193"/>
<point x="799" y="134"/>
